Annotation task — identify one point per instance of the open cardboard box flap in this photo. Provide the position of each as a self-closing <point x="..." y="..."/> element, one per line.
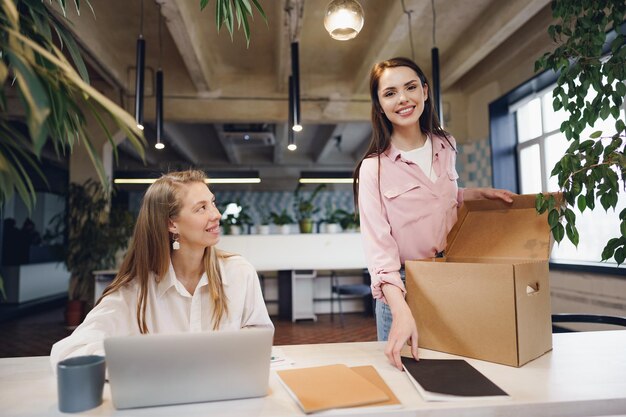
<point x="492" y="230"/>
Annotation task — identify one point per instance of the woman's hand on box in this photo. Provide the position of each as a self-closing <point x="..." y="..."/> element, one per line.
<point x="489" y="194"/>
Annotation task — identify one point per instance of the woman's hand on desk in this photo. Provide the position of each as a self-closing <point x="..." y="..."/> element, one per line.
<point x="403" y="328"/>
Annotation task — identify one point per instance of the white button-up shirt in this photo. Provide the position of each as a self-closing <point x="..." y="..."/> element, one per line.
<point x="170" y="309"/>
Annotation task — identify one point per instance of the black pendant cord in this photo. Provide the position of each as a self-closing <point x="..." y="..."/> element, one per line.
<point x="434" y="55"/>
<point x="432" y="3"/>
<point x="159" y="90"/>
<point x="408" y="15"/>
<point x="139" y="69"/>
<point x="160" y="37"/>
<point x="436" y="71"/>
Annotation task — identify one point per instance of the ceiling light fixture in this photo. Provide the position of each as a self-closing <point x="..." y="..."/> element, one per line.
<point x="294" y="10"/>
<point x="344" y="19"/>
<point x="139" y="74"/>
<point x="233" y="177"/>
<point x="326" y="180"/>
<point x="295" y="74"/>
<point x="325" y="177"/>
<point x="224" y="177"/>
<point x="159" y="93"/>
<point x="211" y="181"/>
<point x="233" y="181"/>
<point x="291" y="135"/>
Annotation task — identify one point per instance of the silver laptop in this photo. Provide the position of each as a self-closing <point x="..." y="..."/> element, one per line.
<point x="162" y="369"/>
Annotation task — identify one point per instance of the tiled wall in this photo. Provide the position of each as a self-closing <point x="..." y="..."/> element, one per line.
<point x="473" y="166"/>
<point x="275" y="201"/>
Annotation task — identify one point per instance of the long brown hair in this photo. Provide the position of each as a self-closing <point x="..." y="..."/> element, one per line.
<point x="382" y="128"/>
<point x="150" y="247"/>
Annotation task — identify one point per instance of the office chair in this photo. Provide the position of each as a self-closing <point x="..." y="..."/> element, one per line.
<point x="584" y="318"/>
<point x="349" y="290"/>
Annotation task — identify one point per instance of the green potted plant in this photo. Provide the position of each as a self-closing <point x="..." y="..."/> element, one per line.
<point x="593" y="168"/>
<point x="332" y="219"/>
<point x="282" y="220"/>
<point x="348" y="221"/>
<point x="265" y="219"/>
<point x="235" y="221"/>
<point x="95" y="234"/>
<point x="304" y="207"/>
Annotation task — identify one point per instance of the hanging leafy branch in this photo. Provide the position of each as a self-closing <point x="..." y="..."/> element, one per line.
<point x="226" y="11"/>
<point x="54" y="96"/>
<point x="592" y="168"/>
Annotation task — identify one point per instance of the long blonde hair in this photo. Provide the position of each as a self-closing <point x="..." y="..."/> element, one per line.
<point x="150" y="247"/>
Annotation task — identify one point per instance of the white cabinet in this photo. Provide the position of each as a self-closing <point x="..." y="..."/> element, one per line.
<point x="302" y="289"/>
<point x="102" y="279"/>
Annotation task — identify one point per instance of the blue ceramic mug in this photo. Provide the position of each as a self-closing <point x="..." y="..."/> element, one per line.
<point x="80" y="381"/>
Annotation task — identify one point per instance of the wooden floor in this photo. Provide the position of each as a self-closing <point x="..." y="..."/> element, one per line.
<point x="34" y="335"/>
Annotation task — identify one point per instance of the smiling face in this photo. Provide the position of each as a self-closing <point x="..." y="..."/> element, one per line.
<point x="198" y="222"/>
<point x="402" y="96"/>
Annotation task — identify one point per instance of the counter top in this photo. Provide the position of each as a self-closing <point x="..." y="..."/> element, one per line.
<point x="298" y="251"/>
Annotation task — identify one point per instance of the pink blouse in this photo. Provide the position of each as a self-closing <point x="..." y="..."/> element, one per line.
<point x="410" y="216"/>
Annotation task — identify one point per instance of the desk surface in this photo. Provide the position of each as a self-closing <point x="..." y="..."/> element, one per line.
<point x="585" y="375"/>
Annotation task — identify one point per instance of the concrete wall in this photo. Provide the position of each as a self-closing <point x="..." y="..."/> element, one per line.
<point x="508" y="66"/>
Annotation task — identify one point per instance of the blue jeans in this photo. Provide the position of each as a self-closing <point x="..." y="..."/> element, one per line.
<point x="383" y="316"/>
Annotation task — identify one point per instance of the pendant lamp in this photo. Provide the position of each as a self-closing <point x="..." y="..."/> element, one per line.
<point x="291" y="135"/>
<point x="159" y="94"/>
<point x="344" y="19"/>
<point x="139" y="77"/>
<point x="295" y="74"/>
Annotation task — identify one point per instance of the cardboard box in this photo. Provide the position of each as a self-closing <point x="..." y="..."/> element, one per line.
<point x="489" y="298"/>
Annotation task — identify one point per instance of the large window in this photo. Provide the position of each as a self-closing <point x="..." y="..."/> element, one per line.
<point x="540" y="145"/>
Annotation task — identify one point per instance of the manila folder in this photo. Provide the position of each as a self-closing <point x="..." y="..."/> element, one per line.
<point x="327" y="387"/>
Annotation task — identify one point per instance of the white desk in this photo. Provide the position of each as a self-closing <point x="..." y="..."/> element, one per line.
<point x="304" y="252"/>
<point x="298" y="251"/>
<point x="585" y="375"/>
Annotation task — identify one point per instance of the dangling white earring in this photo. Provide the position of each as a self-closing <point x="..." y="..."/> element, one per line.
<point x="175" y="243"/>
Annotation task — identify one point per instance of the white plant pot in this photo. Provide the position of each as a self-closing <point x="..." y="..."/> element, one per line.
<point x="284" y="229"/>
<point x="263" y="229"/>
<point x="235" y="230"/>
<point x="332" y="228"/>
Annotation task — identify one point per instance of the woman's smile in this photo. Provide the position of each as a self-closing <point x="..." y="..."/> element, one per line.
<point x="406" y="111"/>
<point x="213" y="229"/>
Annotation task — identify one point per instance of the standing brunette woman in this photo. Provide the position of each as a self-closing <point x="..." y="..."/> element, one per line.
<point x="173" y="279"/>
<point x="406" y="193"/>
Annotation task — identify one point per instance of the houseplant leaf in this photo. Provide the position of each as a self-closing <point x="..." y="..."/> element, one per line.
<point x="590" y="86"/>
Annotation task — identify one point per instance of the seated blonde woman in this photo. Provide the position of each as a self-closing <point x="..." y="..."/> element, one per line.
<point x="173" y="278"/>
